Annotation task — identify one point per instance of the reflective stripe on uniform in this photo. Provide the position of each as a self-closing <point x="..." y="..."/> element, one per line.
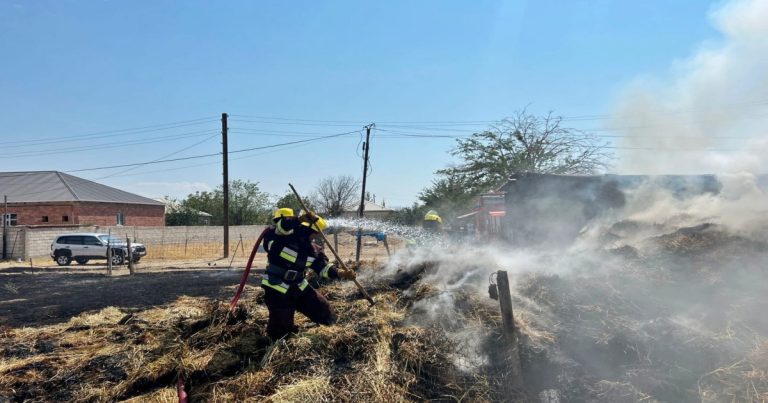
<point x="280" y="230"/>
<point x="326" y="270"/>
<point x="269" y="245"/>
<point x="289" y="254"/>
<point x="282" y="287"/>
<point x="310" y="260"/>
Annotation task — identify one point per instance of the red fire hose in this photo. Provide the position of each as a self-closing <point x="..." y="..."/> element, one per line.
<point x="247" y="270"/>
<point x="183" y="397"/>
<point x="180" y="387"/>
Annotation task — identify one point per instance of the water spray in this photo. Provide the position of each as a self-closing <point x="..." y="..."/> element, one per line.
<point x="327" y="242"/>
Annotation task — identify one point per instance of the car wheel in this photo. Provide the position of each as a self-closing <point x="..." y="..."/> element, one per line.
<point x="63" y="260"/>
<point x="136" y="259"/>
<point x="81" y="260"/>
<point x="117" y="259"/>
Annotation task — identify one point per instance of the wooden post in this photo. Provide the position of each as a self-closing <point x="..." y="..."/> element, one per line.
<point x="225" y="180"/>
<point x="386" y="245"/>
<point x="5" y="229"/>
<point x="109" y="253"/>
<point x="130" y="256"/>
<point x="242" y="244"/>
<point x="361" y="211"/>
<point x="336" y="241"/>
<point x="235" y="254"/>
<point x="511" y="351"/>
<point x="162" y="243"/>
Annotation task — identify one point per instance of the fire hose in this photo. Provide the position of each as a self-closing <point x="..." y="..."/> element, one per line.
<point x="180" y="386"/>
<point x="247" y="270"/>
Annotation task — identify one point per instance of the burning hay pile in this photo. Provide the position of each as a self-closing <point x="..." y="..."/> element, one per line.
<point x="677" y="319"/>
<point x="373" y="354"/>
<point x="673" y="315"/>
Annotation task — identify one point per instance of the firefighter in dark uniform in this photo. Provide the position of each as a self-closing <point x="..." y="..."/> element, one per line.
<point x="290" y="252"/>
<point x="432" y="222"/>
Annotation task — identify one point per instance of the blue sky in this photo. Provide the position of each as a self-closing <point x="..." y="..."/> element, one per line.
<point x="71" y="68"/>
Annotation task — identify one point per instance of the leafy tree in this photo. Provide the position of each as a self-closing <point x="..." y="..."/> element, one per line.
<point x="335" y="194"/>
<point x="182" y="216"/>
<point x="247" y="204"/>
<point x="525" y="143"/>
<point x="409" y="215"/>
<point x="289" y="200"/>
<point x="449" y="195"/>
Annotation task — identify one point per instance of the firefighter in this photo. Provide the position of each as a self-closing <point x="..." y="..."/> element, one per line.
<point x="432" y="222"/>
<point x="291" y="251"/>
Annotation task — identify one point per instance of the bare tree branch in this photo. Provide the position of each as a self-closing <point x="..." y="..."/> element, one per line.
<point x="335" y="194"/>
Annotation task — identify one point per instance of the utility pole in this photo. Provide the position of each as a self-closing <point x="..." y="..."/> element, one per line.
<point x="225" y="160"/>
<point x="5" y="228"/>
<point x="366" y="148"/>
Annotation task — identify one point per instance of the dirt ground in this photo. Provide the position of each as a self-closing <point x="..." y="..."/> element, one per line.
<point x="41" y="294"/>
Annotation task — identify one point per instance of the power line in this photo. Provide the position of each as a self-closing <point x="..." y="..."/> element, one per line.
<point x="282" y="147"/>
<point x="103" y="146"/>
<point x="421" y="135"/>
<point x="275" y="133"/>
<point x="297" y="123"/>
<point x="295" y="119"/>
<point x="164" y="156"/>
<point x="118" y="132"/>
<point x="213" y="154"/>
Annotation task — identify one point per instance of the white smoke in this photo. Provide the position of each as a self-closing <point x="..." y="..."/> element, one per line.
<point x="710" y="114"/>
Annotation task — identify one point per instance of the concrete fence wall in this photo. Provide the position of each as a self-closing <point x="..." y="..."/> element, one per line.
<point x="15" y="245"/>
<point x="36" y="242"/>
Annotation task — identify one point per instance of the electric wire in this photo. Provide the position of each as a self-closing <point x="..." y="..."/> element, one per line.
<point x="113" y="133"/>
<point x="163" y="157"/>
<point x="212" y="154"/>
<point x="111" y="145"/>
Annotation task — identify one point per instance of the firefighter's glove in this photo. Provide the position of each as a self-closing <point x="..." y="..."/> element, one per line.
<point x="347" y="274"/>
<point x="355" y="266"/>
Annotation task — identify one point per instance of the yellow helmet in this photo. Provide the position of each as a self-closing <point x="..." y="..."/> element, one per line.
<point x="432" y="216"/>
<point x="282" y="212"/>
<point x="318" y="226"/>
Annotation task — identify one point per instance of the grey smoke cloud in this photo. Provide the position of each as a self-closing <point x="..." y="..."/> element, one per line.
<point x="711" y="108"/>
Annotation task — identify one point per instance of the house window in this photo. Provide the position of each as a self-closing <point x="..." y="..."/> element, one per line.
<point x="120" y="219"/>
<point x="10" y="219"/>
<point x="65" y="218"/>
<point x="45" y="218"/>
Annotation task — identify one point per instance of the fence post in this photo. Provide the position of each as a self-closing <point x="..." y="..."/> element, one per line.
<point x="386" y="245"/>
<point x="162" y="243"/>
<point x="511" y="350"/>
<point x="336" y="241"/>
<point x="235" y="252"/>
<point x="242" y="244"/>
<point x="109" y="252"/>
<point x="25" y="236"/>
<point x="130" y="256"/>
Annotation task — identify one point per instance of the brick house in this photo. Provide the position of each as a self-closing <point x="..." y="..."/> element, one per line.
<point x="51" y="198"/>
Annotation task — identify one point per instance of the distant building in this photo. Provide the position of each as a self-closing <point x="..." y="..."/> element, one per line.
<point x="372" y="210"/>
<point x="51" y="198"/>
<point x="173" y="206"/>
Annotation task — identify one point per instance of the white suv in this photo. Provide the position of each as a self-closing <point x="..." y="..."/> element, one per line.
<point x="84" y="247"/>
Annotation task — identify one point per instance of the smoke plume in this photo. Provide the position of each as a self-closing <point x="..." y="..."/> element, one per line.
<point x="709" y="114"/>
